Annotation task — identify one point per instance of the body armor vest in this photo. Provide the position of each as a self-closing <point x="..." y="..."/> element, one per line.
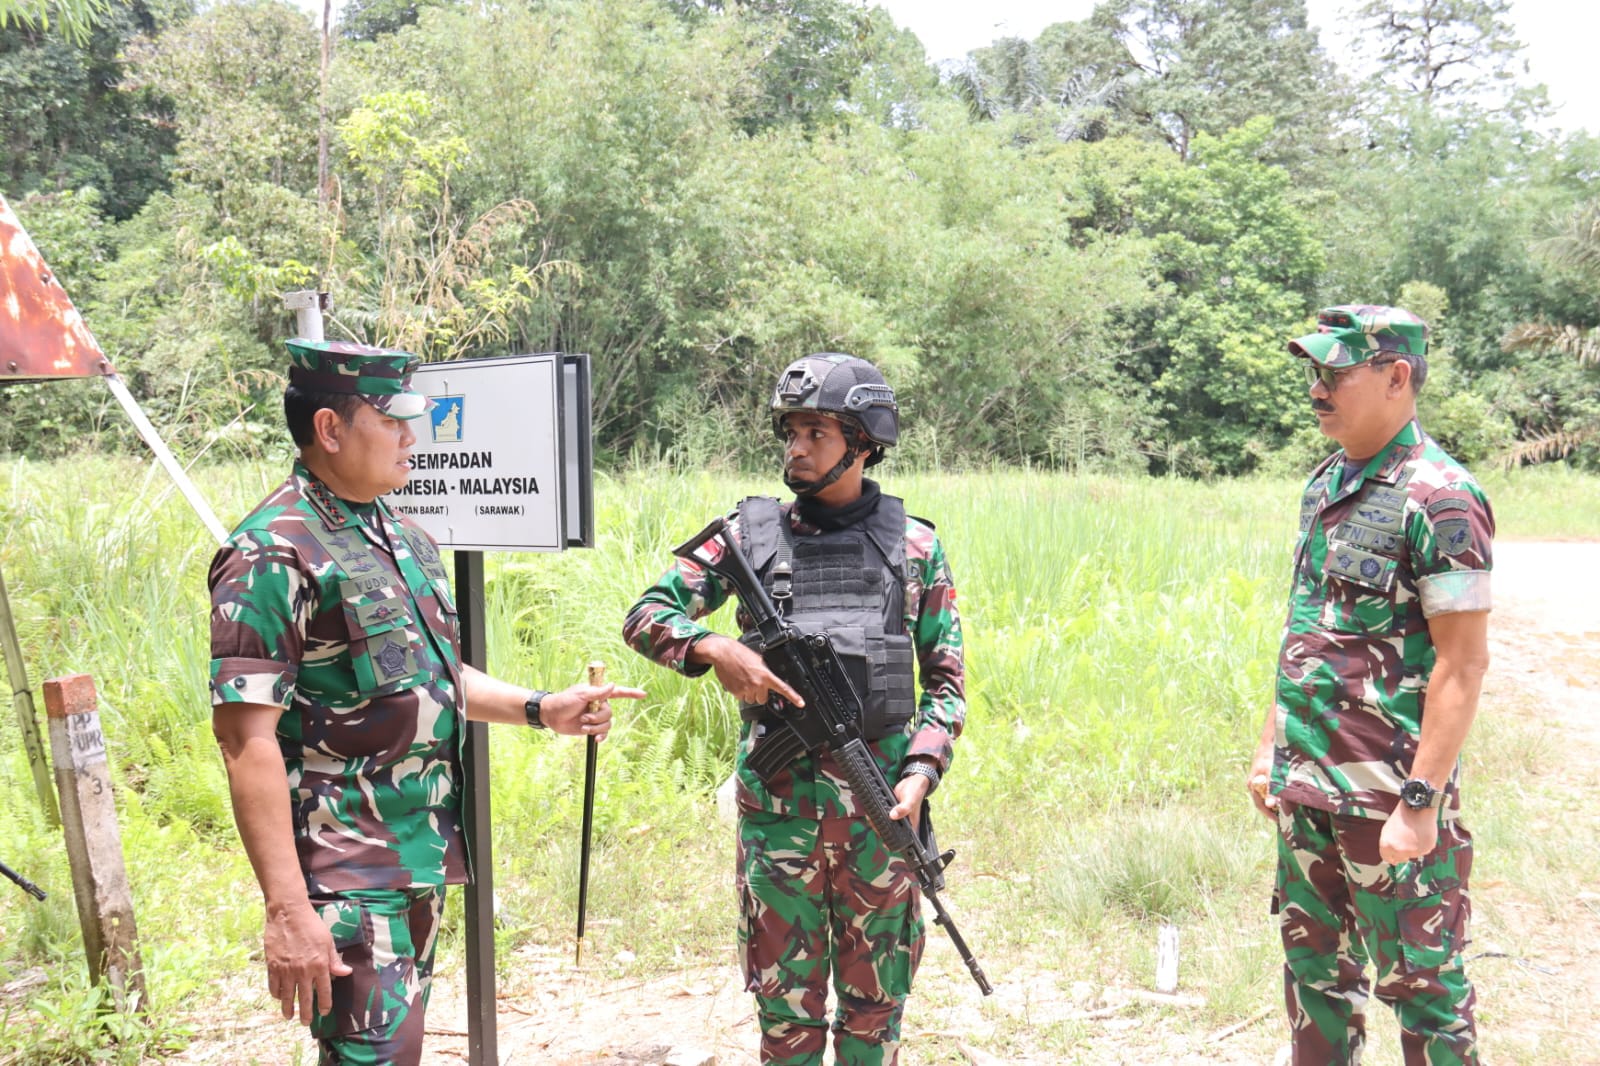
<point x="849" y="584"/>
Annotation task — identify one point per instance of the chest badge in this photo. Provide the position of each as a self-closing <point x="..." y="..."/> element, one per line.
<point x="392" y="659"/>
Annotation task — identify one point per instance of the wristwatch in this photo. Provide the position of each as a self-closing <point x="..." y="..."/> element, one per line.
<point x="531" y="709"/>
<point x="1419" y="795"/>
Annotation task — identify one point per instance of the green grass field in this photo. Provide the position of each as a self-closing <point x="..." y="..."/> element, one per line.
<point x="1120" y="640"/>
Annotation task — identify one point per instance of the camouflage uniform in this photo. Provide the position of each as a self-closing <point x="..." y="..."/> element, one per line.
<point x="818" y="890"/>
<point x="1382" y="549"/>
<point x="341" y="614"/>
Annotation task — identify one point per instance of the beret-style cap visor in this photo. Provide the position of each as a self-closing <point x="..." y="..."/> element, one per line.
<point x="1328" y="349"/>
<point x="402" y="405"/>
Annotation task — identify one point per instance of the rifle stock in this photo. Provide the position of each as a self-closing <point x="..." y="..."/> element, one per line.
<point x="830" y="718"/>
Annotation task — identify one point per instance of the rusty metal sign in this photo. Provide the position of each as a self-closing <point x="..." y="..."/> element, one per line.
<point x="41" y="334"/>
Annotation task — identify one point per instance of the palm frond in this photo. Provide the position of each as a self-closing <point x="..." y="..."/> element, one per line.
<point x="1578" y="246"/>
<point x="1555" y="445"/>
<point x="1580" y="344"/>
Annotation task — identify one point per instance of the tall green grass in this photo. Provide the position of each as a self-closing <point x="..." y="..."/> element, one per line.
<point x="1120" y="638"/>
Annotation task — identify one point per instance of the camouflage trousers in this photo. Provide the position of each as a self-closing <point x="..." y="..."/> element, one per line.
<point x="821" y="900"/>
<point x="1340" y="905"/>
<point x="387" y="939"/>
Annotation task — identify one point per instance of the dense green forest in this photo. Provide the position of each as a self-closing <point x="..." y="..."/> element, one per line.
<point x="1082" y="251"/>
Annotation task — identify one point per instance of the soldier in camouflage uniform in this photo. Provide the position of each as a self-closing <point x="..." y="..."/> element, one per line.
<point x="340" y="702"/>
<point x="820" y="897"/>
<point x="1384" y="650"/>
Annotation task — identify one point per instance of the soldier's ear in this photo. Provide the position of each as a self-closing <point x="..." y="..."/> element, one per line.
<point x="327" y="429"/>
<point x="1399" y="377"/>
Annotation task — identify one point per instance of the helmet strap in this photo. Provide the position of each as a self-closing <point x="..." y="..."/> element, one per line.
<point x="811" y="488"/>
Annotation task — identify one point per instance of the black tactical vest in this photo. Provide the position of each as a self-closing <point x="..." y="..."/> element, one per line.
<point x="850" y="584"/>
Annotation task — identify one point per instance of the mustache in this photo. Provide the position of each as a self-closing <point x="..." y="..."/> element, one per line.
<point x="1322" y="405"/>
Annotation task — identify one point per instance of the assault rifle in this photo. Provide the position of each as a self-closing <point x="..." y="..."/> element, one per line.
<point x="831" y="717"/>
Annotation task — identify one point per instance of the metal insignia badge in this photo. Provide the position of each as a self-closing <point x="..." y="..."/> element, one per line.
<point x="392" y="659"/>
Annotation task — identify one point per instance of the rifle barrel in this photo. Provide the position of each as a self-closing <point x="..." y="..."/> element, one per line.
<point x="22" y="882"/>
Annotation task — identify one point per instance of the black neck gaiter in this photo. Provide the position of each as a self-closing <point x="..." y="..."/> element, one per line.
<point x="830" y="519"/>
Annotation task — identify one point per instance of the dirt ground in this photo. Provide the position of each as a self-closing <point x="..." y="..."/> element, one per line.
<point x="1545" y="637"/>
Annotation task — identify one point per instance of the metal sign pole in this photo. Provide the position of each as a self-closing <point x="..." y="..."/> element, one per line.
<point x="27" y="717"/>
<point x="165" y="457"/>
<point x="482" y="1032"/>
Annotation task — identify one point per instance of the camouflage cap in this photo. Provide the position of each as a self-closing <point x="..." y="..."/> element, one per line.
<point x="1353" y="333"/>
<point x="381" y="376"/>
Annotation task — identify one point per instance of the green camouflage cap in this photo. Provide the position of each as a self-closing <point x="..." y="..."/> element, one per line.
<point x="1353" y="333"/>
<point x="381" y="376"/>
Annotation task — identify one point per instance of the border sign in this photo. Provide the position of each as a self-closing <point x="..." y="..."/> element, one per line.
<point x="503" y="460"/>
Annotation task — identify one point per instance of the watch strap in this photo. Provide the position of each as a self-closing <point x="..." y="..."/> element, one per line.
<point x="922" y="769"/>
<point x="1414" y="784"/>
<point x="532" y="707"/>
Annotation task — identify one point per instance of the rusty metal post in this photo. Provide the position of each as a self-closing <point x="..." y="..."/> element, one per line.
<point x="27" y="716"/>
<point x="94" y="843"/>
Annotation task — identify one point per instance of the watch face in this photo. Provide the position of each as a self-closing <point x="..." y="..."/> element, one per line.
<point x="1416" y="794"/>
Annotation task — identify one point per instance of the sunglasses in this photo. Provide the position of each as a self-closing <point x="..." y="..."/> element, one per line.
<point x="1330" y="377"/>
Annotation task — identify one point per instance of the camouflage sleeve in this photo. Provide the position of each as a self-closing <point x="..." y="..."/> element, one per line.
<point x="936" y="631"/>
<point x="261" y="599"/>
<point x="1451" y="538"/>
<point x="663" y="625"/>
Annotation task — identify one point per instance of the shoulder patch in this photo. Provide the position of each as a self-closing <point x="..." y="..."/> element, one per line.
<point x="1449" y="503"/>
<point x="1452" y="535"/>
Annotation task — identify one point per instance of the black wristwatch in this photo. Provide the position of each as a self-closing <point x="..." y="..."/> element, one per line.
<point x="531" y="709"/>
<point x="1419" y="795"/>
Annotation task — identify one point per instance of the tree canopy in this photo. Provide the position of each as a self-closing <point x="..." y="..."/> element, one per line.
<point x="1083" y="250"/>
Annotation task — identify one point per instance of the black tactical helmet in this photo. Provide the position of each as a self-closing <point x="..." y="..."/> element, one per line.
<point x="848" y="388"/>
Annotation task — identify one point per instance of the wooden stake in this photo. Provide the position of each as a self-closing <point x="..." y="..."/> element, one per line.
<point x="94" y="843"/>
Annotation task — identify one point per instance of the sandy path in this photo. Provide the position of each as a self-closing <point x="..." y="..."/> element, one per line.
<point x="1545" y="639"/>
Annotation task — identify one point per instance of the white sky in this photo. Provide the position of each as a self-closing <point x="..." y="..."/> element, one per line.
<point x="1559" y="34"/>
